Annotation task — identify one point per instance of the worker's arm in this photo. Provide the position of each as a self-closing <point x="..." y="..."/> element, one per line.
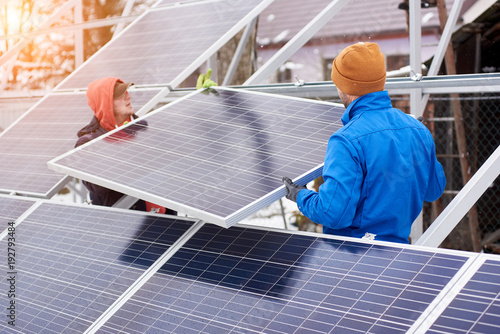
<point x="334" y="206"/>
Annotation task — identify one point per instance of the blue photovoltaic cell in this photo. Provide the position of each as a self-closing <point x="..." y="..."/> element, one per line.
<point x="47" y="131"/>
<point x="167" y="44"/>
<point x="217" y="155"/>
<point x="12" y="208"/>
<point x="476" y="308"/>
<point x="247" y="280"/>
<point x="73" y="262"/>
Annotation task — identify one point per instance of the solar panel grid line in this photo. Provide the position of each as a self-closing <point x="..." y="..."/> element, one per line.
<point x="81" y="254"/>
<point x="57" y="88"/>
<point x="142" y="149"/>
<point x="64" y="279"/>
<point x="183" y="270"/>
<point x="143" y="279"/>
<point x="132" y="123"/>
<point x="221" y="41"/>
<point x="387" y="305"/>
<point x="229" y="157"/>
<point x="394" y="322"/>
<point x="138" y="194"/>
<point x="18" y="219"/>
<point x="161" y="55"/>
<point x="446" y="296"/>
<point x="45" y="131"/>
<point x="263" y="132"/>
<point x="19" y="119"/>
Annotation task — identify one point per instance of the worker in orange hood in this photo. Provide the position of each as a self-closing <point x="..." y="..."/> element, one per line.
<point x="109" y="99"/>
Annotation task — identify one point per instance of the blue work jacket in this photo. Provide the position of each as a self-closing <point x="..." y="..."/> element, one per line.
<point x="379" y="169"/>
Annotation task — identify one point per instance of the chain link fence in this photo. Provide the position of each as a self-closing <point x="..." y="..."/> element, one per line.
<point x="479" y="136"/>
<point x="481" y="126"/>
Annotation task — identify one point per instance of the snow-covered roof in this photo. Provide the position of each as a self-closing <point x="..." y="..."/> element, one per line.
<point x="284" y="18"/>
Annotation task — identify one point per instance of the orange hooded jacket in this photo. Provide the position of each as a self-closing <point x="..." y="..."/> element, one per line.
<point x="100" y="100"/>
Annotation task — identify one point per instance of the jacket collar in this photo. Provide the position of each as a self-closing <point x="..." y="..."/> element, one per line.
<point x="371" y="101"/>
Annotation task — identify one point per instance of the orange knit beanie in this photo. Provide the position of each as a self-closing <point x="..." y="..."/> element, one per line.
<point x="359" y="69"/>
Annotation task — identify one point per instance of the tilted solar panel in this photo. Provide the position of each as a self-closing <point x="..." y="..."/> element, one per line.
<point x="476" y="307"/>
<point x="73" y="262"/>
<point x="44" y="132"/>
<point x="167" y="44"/>
<point x="217" y="155"/>
<point x="254" y="281"/>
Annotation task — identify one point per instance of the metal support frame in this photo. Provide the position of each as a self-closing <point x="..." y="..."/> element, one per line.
<point x="72" y="27"/>
<point x="415" y="54"/>
<point x="125" y="202"/>
<point x="443" y="45"/>
<point x="239" y="52"/>
<point x="294" y="44"/>
<point x="126" y="11"/>
<point x="462" y="203"/>
<point x="445" y="38"/>
<point x="471" y="83"/>
<point x="79" y="58"/>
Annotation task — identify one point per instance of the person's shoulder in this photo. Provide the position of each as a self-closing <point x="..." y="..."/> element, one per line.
<point x="89" y="136"/>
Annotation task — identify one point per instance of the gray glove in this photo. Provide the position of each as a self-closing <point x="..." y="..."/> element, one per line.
<point x="292" y="189"/>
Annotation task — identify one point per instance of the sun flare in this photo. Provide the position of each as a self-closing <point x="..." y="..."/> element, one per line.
<point x="11" y="16"/>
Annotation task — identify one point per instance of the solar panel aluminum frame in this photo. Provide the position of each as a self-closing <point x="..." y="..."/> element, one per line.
<point x="227" y="221"/>
<point x="197" y="62"/>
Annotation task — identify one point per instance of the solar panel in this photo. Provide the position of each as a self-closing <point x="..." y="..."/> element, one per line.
<point x="44" y="132"/>
<point x="73" y="262"/>
<point x="217" y="156"/>
<point x="254" y="281"/>
<point x="167" y="44"/>
<point x="95" y="269"/>
<point x="12" y="208"/>
<point x="476" y="307"/>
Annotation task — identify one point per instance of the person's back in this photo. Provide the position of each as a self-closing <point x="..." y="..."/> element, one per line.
<point x="395" y="153"/>
<point x="380" y="167"/>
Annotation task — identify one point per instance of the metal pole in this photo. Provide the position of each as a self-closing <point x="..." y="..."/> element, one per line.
<point x="444" y="43"/>
<point x="462" y="203"/>
<point x="71" y="27"/>
<point x="301" y="38"/>
<point x="78" y="34"/>
<point x="415" y="73"/>
<point x="126" y="11"/>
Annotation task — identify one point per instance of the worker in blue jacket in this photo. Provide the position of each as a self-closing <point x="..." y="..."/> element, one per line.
<point x="379" y="167"/>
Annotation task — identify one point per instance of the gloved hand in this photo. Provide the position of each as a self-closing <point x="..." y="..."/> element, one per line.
<point x="292" y="189"/>
<point x="204" y="80"/>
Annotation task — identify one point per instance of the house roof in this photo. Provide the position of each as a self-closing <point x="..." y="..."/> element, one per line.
<point x="284" y="18"/>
